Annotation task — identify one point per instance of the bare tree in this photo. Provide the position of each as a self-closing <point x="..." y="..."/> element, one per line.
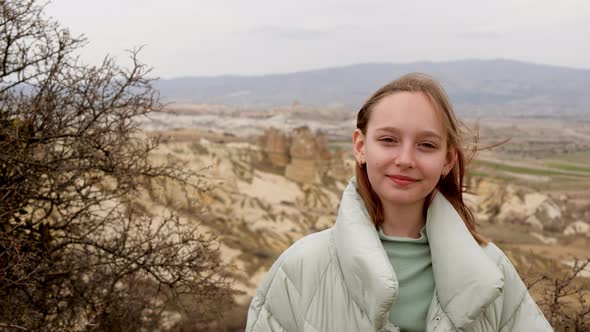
<point x="78" y="248"/>
<point x="565" y="297"/>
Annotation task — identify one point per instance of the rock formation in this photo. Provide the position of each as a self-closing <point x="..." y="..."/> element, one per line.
<point x="303" y="144"/>
<point x="322" y="145"/>
<point x="497" y="202"/>
<point x="276" y="146"/>
<point x="302" y="154"/>
<point x="578" y="227"/>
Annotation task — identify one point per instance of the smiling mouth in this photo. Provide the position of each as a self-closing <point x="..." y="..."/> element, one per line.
<point x="402" y="180"/>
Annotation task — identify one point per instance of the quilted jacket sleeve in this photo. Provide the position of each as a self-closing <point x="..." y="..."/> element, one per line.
<point x="272" y="308"/>
<point x="284" y="296"/>
<point x="520" y="312"/>
<point x="259" y="316"/>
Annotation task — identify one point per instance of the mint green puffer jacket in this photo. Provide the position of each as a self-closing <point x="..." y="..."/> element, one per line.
<point x="341" y="279"/>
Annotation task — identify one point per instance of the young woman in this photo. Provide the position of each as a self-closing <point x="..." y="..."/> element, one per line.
<point x="404" y="254"/>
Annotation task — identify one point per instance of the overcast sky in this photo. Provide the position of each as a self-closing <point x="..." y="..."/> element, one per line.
<point x="216" y="37"/>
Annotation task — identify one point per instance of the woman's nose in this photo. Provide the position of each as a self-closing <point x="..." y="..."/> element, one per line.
<point x="405" y="157"/>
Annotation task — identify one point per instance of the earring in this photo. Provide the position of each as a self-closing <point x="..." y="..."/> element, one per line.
<point x="361" y="163"/>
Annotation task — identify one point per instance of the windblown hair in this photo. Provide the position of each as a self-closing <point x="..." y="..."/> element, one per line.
<point x="451" y="186"/>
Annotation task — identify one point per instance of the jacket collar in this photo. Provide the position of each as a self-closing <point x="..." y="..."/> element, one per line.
<point x="467" y="281"/>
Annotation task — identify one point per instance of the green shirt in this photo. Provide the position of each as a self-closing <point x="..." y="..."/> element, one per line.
<point x="412" y="264"/>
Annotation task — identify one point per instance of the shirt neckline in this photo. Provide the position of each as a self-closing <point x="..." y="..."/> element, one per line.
<point x="422" y="239"/>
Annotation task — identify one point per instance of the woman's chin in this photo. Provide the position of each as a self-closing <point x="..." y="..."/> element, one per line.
<point x="403" y="198"/>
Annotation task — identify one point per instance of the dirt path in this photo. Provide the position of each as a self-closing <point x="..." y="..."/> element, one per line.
<point x="553" y="251"/>
<point x="565" y="255"/>
<point x="574" y="133"/>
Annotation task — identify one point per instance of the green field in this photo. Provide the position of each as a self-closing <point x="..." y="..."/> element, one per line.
<point x="569" y="167"/>
<point x="554" y="170"/>
<point x="582" y="157"/>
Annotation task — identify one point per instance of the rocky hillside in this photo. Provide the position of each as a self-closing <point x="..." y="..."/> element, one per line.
<point x="259" y="196"/>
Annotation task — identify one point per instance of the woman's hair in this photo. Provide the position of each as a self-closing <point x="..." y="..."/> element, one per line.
<point x="451" y="186"/>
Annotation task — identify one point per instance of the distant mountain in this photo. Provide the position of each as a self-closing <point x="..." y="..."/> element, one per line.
<point x="500" y="87"/>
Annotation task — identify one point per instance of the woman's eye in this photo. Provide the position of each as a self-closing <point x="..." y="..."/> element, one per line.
<point x="428" y="145"/>
<point x="388" y="139"/>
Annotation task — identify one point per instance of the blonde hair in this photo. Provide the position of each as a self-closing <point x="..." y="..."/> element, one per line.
<point x="451" y="186"/>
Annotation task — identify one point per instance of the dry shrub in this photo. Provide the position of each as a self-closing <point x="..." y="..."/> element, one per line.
<point x="76" y="252"/>
<point x="564" y="296"/>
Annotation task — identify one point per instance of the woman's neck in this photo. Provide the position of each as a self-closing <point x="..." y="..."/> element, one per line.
<point x="403" y="220"/>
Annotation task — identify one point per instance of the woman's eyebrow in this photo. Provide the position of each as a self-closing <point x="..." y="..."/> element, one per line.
<point x="430" y="134"/>
<point x="422" y="134"/>
<point x="388" y="129"/>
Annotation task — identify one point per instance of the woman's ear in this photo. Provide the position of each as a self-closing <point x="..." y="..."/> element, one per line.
<point x="358" y="146"/>
<point x="450" y="161"/>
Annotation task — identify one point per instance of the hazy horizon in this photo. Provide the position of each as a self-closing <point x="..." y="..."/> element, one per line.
<point x="230" y="37"/>
<point x="330" y="67"/>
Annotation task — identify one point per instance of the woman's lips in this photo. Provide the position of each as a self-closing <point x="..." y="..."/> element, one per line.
<point x="402" y="180"/>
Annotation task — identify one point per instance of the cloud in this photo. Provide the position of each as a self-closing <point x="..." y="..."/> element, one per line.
<point x="203" y="37"/>
<point x="300" y="33"/>
<point x="484" y="32"/>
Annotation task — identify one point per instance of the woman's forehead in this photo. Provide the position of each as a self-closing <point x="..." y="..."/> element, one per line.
<point x="406" y="111"/>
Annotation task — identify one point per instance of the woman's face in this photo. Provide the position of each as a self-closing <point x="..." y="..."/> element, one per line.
<point x="405" y="148"/>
